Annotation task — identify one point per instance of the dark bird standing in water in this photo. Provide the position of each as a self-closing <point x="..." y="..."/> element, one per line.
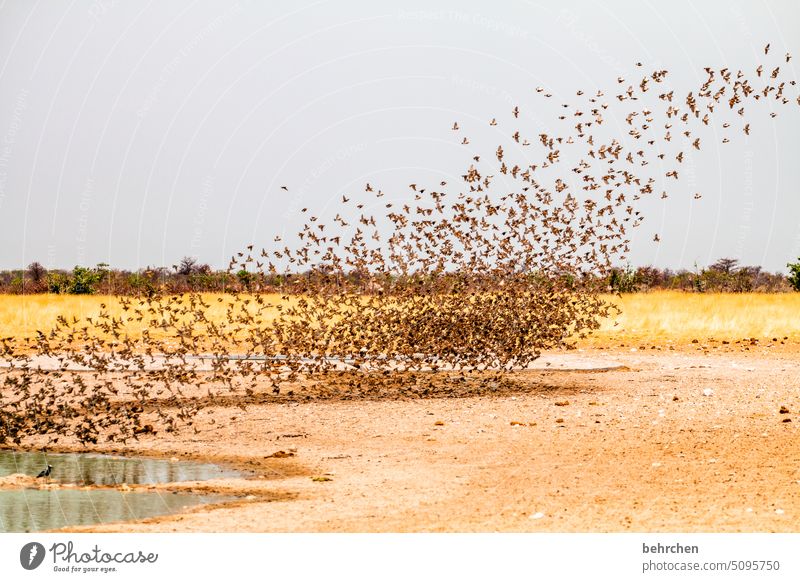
<point x="45" y="472"/>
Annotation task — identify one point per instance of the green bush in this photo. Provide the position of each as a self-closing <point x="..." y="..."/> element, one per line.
<point x="624" y="281"/>
<point x="58" y="283"/>
<point x="141" y="284"/>
<point x="794" y="275"/>
<point x="83" y="281"/>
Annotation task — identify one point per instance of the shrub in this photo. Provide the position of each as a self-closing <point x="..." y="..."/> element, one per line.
<point x="141" y="284"/>
<point x="623" y="281"/>
<point x="58" y="283"/>
<point x="794" y="275"/>
<point x="84" y="280"/>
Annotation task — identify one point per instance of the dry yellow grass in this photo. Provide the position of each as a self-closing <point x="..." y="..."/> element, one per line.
<point x="657" y="316"/>
<point x="679" y="316"/>
<point x="21" y="316"/>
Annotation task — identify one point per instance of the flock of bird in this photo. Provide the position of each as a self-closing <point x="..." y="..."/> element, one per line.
<point x="477" y="276"/>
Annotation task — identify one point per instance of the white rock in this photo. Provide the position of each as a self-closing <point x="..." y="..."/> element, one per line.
<point x="779" y="511"/>
<point x="656" y="464"/>
<point x="708" y="392"/>
<point x="537" y="515"/>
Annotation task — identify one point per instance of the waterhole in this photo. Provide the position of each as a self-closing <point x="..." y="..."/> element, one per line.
<point x="28" y="509"/>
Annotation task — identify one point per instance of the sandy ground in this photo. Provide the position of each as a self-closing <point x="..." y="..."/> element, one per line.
<point x="685" y="440"/>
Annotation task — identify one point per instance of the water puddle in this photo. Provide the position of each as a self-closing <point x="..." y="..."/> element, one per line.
<point x="23" y="510"/>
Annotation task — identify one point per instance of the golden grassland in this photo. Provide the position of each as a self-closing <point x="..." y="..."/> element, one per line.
<point x="657" y="316"/>
<point x="679" y="316"/>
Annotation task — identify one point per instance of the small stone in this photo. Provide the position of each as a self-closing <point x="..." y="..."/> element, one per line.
<point x="780" y="511"/>
<point x="559" y="420"/>
<point x="675" y="398"/>
<point x="656" y="464"/>
<point x="562" y="403"/>
<point x="787" y="420"/>
<point x="784" y="410"/>
<point x="708" y="392"/>
<point x="537" y="515"/>
<point x="438" y="423"/>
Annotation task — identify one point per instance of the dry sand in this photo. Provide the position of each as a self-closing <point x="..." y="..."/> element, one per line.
<point x="685" y="440"/>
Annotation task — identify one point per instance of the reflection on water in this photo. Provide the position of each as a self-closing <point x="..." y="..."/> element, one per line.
<point x="35" y="510"/>
<point x="23" y="510"/>
<point x="87" y="469"/>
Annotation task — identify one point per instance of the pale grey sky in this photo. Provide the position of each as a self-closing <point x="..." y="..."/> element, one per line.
<point x="136" y="132"/>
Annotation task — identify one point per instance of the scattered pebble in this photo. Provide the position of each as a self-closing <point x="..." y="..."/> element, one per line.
<point x="438" y="423"/>
<point x="562" y="403"/>
<point x="537" y="515"/>
<point x="784" y="410"/>
<point x="779" y="511"/>
<point x="708" y="392"/>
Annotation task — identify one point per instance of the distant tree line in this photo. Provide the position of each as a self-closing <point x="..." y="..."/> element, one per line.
<point x="725" y="275"/>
